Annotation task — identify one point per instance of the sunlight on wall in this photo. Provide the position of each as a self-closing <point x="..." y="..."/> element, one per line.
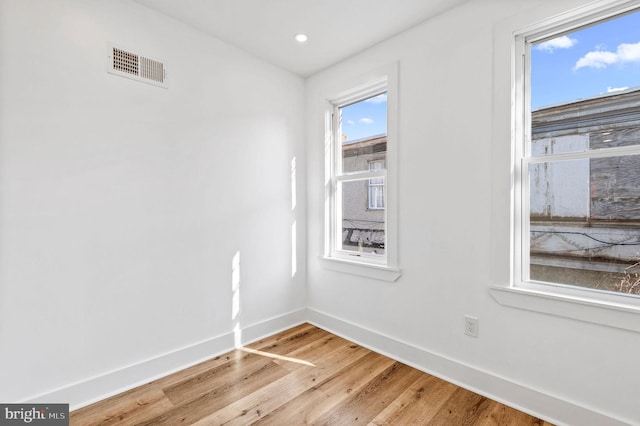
<point x="235" y="299"/>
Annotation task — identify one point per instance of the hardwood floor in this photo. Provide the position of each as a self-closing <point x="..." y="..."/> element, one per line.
<point x="304" y="375"/>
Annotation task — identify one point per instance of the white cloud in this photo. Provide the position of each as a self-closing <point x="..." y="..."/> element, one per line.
<point x="597" y="59"/>
<point x="626" y="52"/>
<point x="351" y="122"/>
<point x="563" y="42"/>
<point x="629" y="52"/>
<point x="616" y="89"/>
<point x="380" y="99"/>
<point x="365" y="120"/>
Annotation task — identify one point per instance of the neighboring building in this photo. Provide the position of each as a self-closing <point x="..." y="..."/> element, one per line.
<point x="585" y="213"/>
<point x="363" y="201"/>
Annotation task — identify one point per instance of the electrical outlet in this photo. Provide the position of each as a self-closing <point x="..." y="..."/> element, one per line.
<point x="471" y="326"/>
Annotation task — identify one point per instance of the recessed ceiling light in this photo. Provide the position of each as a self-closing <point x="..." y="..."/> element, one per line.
<point x="301" y="38"/>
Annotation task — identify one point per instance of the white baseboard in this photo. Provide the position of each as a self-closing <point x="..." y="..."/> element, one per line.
<point x="111" y="383"/>
<point x="536" y="403"/>
<point x="523" y="398"/>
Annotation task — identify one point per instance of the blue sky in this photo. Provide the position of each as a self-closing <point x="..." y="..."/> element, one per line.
<point x="597" y="60"/>
<point x="365" y="118"/>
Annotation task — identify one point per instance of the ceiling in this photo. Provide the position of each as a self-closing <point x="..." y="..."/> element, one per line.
<point x="337" y="29"/>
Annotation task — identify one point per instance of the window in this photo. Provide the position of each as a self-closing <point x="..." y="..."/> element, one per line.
<point x="360" y="225"/>
<point x="361" y="135"/>
<point x="577" y="156"/>
<point x="376" y="187"/>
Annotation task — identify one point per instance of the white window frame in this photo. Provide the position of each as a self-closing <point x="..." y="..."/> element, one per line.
<point x="374" y="185"/>
<point x="605" y="308"/>
<point x="382" y="267"/>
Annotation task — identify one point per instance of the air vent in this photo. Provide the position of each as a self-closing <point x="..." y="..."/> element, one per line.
<point x="125" y="63"/>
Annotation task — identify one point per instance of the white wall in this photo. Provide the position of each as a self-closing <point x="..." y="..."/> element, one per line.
<point x="454" y="180"/>
<point x="122" y="204"/>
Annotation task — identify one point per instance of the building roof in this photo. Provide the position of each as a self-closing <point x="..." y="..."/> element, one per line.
<point x="363" y="146"/>
<point x="620" y="109"/>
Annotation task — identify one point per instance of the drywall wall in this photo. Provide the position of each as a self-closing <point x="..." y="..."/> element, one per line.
<point x="454" y="182"/>
<point x="137" y="221"/>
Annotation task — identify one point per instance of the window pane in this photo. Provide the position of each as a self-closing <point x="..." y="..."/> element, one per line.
<point x="363" y="229"/>
<point x="363" y="132"/>
<point x="585" y="222"/>
<point x="598" y="60"/>
<point x="585" y="86"/>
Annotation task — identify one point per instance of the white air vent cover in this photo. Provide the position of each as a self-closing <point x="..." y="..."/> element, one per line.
<point x="125" y="63"/>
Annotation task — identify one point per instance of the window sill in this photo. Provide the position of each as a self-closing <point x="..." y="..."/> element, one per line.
<point x="378" y="272"/>
<point x="613" y="314"/>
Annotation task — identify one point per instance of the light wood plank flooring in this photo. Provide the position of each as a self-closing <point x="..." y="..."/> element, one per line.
<point x="304" y="375"/>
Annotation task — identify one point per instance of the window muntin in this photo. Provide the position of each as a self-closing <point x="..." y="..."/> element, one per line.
<point x="359" y="145"/>
<point x="362" y="132"/>
<point x="577" y="166"/>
